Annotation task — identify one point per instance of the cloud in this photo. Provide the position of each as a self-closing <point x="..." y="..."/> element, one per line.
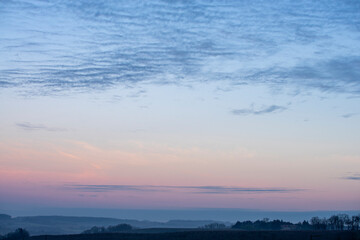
<point x="339" y="74"/>
<point x="189" y="189"/>
<point x="354" y="176"/>
<point x="102" y="44"/>
<point x="259" y="111"/>
<point x="33" y="127"/>
<point x="349" y="115"/>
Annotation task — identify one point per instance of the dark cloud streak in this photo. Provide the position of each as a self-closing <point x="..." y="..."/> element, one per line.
<point x="354" y="176"/>
<point x="190" y="189"/>
<point x="34" y="127"/>
<point x="349" y="115"/>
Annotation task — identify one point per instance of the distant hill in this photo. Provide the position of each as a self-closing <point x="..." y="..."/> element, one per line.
<point x="53" y="225"/>
<point x="5" y="217"/>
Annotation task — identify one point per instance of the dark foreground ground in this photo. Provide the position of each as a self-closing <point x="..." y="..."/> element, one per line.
<point x="213" y="235"/>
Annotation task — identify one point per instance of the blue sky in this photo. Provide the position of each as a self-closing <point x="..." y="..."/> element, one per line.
<point x="255" y="101"/>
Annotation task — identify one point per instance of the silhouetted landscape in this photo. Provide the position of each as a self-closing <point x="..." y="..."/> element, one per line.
<point x="72" y="225"/>
<point x="199" y="234"/>
<point x="337" y="227"/>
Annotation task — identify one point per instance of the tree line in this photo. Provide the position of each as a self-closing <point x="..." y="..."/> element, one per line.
<point x="111" y="229"/>
<point x="335" y="222"/>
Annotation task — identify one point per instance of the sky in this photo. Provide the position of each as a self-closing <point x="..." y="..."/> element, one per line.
<point x="180" y="105"/>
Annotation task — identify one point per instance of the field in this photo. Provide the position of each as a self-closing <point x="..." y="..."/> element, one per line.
<point x="212" y="235"/>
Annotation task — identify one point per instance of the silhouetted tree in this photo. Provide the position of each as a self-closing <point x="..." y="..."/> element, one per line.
<point x="339" y="222"/>
<point x="318" y="224"/>
<point x="333" y="222"/>
<point x="265" y="225"/>
<point x="119" y="228"/>
<point x="305" y="225"/>
<point x="347" y="222"/>
<point x="111" y="229"/>
<point x="355" y="220"/>
<point x="95" y="230"/>
<point x="18" y="234"/>
<point x="214" y="226"/>
<point x="343" y="221"/>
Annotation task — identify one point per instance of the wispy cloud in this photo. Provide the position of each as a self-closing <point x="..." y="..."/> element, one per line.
<point x="258" y="111"/>
<point x="339" y="74"/>
<point x="189" y="189"/>
<point x="33" y="127"/>
<point x="353" y="176"/>
<point x="106" y="43"/>
<point x="349" y="115"/>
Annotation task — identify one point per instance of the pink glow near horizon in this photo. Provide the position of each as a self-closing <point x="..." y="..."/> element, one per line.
<point x="186" y="104"/>
<point x="42" y="185"/>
